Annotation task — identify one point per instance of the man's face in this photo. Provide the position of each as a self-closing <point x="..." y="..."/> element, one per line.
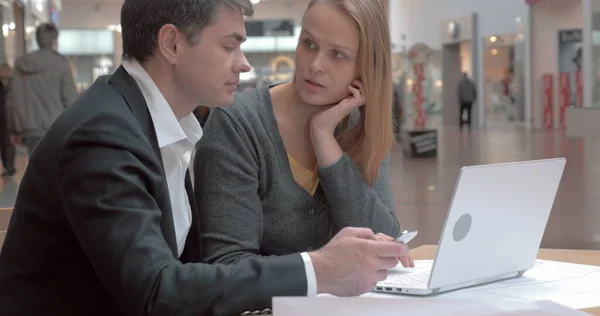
<point x="208" y="72"/>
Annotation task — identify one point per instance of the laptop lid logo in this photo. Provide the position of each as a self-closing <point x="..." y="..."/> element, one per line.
<point x="462" y="227"/>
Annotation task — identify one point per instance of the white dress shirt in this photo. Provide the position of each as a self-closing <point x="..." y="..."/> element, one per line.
<point x="176" y="140"/>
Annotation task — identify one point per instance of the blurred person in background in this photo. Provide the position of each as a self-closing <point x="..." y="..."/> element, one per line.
<point x="7" y="149"/>
<point x="288" y="166"/>
<point x="467" y="95"/>
<point x="398" y="110"/>
<point x="42" y="87"/>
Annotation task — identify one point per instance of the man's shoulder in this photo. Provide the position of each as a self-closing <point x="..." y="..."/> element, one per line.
<point x="101" y="96"/>
<point x="101" y="106"/>
<point x="43" y="54"/>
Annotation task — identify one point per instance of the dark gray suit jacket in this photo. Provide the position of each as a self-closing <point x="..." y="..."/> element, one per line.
<point x="92" y="230"/>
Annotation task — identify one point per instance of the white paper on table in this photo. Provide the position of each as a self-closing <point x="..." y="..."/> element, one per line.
<point x="363" y="306"/>
<point x="573" y="285"/>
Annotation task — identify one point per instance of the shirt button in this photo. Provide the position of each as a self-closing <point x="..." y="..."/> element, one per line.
<point x="311" y="211"/>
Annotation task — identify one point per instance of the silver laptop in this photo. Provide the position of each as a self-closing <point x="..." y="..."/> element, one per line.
<point x="493" y="229"/>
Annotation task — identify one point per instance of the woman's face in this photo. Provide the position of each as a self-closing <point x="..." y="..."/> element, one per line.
<point x="5" y="71"/>
<point x="326" y="56"/>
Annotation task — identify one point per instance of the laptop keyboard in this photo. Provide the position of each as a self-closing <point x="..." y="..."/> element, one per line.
<point x="413" y="279"/>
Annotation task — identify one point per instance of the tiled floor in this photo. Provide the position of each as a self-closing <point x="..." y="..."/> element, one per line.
<point x="10" y="185"/>
<point x="423" y="187"/>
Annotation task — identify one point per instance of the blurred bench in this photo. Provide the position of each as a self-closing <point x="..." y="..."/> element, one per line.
<point x="420" y="143"/>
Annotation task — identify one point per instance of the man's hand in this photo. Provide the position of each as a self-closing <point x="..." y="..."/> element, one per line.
<point x="354" y="261"/>
<point x="406" y="260"/>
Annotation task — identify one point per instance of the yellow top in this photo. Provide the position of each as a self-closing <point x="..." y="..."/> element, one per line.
<point x="308" y="179"/>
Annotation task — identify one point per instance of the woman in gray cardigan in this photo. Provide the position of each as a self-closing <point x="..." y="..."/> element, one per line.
<point x="282" y="171"/>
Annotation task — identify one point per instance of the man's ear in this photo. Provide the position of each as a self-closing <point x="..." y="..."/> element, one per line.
<point x="169" y="43"/>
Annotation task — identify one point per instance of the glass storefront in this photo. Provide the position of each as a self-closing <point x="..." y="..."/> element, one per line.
<point x="13" y="43"/>
<point x="37" y="14"/>
<point x="90" y="53"/>
<point x="503" y="75"/>
<point x="5" y="21"/>
<point x="418" y="80"/>
<point x="596" y="59"/>
<point x="267" y="68"/>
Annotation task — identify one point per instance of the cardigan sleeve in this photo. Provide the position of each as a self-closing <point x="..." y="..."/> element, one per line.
<point x="354" y="203"/>
<point x="225" y="185"/>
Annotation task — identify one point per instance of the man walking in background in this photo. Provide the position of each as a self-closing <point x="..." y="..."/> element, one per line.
<point x="42" y="87"/>
<point x="467" y="94"/>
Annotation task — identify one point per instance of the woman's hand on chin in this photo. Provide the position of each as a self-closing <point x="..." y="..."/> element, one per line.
<point x="326" y="120"/>
<point x="323" y="123"/>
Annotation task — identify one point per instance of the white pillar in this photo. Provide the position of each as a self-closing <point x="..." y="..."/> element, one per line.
<point x="588" y="63"/>
<point x="477" y="51"/>
<point x="528" y="77"/>
<point x="397" y="30"/>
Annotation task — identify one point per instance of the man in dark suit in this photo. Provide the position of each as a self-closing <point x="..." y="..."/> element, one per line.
<point x="105" y="221"/>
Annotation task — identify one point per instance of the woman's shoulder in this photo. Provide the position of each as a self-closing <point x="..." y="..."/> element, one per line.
<point x="249" y="105"/>
<point x="251" y="113"/>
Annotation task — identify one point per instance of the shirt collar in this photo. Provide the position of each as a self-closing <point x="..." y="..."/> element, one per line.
<point x="168" y="129"/>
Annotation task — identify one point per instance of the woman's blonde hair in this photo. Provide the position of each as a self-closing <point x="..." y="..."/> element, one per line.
<point x="369" y="142"/>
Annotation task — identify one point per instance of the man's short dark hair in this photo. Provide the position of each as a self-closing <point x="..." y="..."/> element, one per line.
<point x="142" y="19"/>
<point x="45" y="35"/>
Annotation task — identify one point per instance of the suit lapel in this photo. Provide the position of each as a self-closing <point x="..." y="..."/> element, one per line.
<point x="193" y="244"/>
<point x="127" y="86"/>
<point x="137" y="104"/>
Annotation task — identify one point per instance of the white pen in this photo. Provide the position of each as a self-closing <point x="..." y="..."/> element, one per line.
<point x="407" y="236"/>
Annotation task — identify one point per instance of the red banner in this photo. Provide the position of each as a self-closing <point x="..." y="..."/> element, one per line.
<point x="548" y="104"/>
<point x="419" y="96"/>
<point x="579" y="89"/>
<point x="565" y="96"/>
